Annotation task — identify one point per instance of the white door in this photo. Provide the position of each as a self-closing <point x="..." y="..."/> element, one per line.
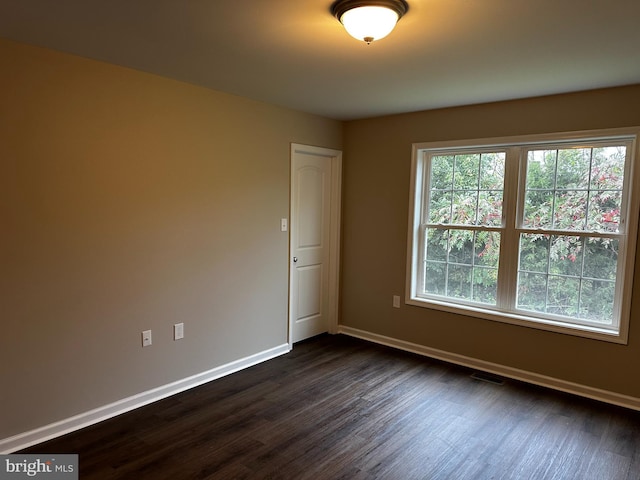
<point x="314" y="240"/>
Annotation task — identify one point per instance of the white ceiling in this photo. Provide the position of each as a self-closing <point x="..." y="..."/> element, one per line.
<point x="293" y="53"/>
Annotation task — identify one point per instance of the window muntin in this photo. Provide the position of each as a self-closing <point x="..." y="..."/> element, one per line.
<point x="466" y="191"/>
<point x="559" y="260"/>
<point x="567" y="275"/>
<point x="575" y="188"/>
<point x="461" y="264"/>
<point x="572" y="189"/>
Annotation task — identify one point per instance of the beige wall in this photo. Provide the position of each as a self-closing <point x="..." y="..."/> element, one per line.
<point x="375" y="214"/>
<point x="131" y="202"/>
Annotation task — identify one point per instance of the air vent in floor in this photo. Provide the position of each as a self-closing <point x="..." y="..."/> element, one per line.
<point x="488" y="377"/>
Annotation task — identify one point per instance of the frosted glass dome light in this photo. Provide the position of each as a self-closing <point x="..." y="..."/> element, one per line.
<point x="369" y="20"/>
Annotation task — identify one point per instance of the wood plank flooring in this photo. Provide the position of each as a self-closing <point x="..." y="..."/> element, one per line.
<point x="341" y="408"/>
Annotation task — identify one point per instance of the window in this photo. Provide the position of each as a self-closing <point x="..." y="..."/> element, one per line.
<point x="538" y="231"/>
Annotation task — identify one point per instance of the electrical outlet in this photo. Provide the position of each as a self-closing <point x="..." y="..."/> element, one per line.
<point x="146" y="338"/>
<point x="178" y="331"/>
<point x="396" y="301"/>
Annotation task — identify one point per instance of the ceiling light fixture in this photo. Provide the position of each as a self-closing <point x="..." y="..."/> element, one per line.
<point x="369" y="20"/>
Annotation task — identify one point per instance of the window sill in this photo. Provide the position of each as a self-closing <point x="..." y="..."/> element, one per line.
<point x="591" y="332"/>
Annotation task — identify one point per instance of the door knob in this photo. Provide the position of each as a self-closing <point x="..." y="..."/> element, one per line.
<point x="295" y="259"/>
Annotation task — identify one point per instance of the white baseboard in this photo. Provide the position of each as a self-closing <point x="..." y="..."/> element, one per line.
<point x="509" y="372"/>
<point x="47" y="432"/>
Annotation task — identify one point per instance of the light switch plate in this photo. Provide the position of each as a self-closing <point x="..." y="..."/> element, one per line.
<point x="146" y="338"/>
<point x="178" y="331"/>
<point x="396" y="301"/>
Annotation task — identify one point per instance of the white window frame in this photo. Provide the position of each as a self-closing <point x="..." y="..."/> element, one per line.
<point x="515" y="169"/>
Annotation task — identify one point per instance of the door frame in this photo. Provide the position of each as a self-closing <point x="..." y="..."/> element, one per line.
<point x="334" y="232"/>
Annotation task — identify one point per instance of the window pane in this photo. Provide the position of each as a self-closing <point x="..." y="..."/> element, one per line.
<point x="436" y="244"/>
<point x="492" y="171"/>
<point x="534" y="252"/>
<point x="563" y="296"/>
<point x="435" y="278"/>
<point x="532" y="292"/>
<point x="465" y="173"/>
<point x="465" y="204"/>
<point x="442" y="172"/>
<point x="459" y="281"/>
<point x="570" y="210"/>
<point x="604" y="210"/>
<point x="601" y="258"/>
<point x="485" y="285"/>
<point x="573" y="168"/>
<point x="485" y="272"/>
<point x="538" y="208"/>
<point x="565" y="254"/>
<point x="541" y="169"/>
<point x="596" y="301"/>
<point x="487" y="249"/>
<point x="490" y="208"/>
<point x="540" y="188"/>
<point x="439" y="206"/>
<point x="461" y="246"/>
<point x="607" y="170"/>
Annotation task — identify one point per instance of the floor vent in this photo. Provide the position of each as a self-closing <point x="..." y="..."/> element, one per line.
<point x="487" y="377"/>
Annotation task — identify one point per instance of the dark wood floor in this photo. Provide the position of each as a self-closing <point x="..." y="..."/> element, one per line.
<point x="340" y="408"/>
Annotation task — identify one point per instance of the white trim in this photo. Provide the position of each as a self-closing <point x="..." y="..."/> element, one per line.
<point x="334" y="231"/>
<point x="62" y="427"/>
<point x="516" y="318"/>
<point x="502" y="312"/>
<point x="495" y="368"/>
<point x="334" y="252"/>
<point x="530" y="140"/>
